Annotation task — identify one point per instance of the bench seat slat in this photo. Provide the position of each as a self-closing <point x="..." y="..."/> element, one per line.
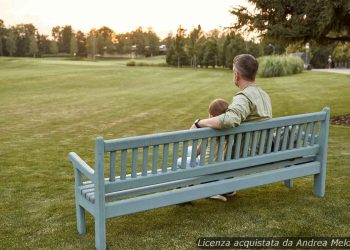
<point x="176" y="196"/>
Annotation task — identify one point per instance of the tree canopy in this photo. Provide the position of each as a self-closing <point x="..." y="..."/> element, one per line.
<point x="325" y="21"/>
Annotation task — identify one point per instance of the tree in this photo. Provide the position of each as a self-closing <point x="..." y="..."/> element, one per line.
<point x="194" y="39"/>
<point x="179" y="45"/>
<point x="43" y="44"/>
<point x="53" y="48"/>
<point x="11" y="42"/>
<point x="33" y="46"/>
<point x="324" y="21"/>
<point x="73" y="46"/>
<point x="62" y="35"/>
<point x="91" y="44"/>
<point x="234" y="45"/>
<point x="2" y="35"/>
<point x="81" y="41"/>
<point x="24" y="32"/>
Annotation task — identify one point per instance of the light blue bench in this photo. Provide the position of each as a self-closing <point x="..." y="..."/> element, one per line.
<point x="143" y="174"/>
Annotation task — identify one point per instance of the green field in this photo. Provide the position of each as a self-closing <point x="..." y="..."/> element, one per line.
<point x="49" y="107"/>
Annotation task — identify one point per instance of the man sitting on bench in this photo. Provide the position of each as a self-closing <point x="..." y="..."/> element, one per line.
<point x="251" y="103"/>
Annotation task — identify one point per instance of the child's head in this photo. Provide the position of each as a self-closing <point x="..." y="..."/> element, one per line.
<point x="217" y="107"/>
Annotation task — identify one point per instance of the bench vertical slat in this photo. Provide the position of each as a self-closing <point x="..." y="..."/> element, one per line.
<point x="255" y="142"/>
<point x="184" y="154"/>
<point x="155" y="159"/>
<point x="112" y="165"/>
<point x="313" y="133"/>
<point x="221" y="148"/>
<point x="277" y="140"/>
<point x="134" y="163"/>
<point x="144" y="161"/>
<point x="300" y="133"/>
<point x="212" y="150"/>
<point x="203" y="151"/>
<point x="175" y="155"/>
<point x="306" y="135"/>
<point x="165" y="157"/>
<point x="291" y="137"/>
<point x="123" y="165"/>
<point x="262" y="142"/>
<point x="269" y="141"/>
<point x="285" y="138"/>
<point x="194" y="153"/>
<point x="238" y="146"/>
<point x="229" y="147"/>
<point x="246" y="144"/>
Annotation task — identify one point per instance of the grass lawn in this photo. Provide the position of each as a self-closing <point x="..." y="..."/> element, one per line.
<point x="49" y="107"/>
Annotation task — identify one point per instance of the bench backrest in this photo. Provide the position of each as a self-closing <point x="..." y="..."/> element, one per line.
<point x="151" y="159"/>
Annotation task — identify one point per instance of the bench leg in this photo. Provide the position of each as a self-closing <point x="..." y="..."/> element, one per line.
<point x="288" y="183"/>
<point x="80" y="219"/>
<point x="319" y="184"/>
<point x="100" y="233"/>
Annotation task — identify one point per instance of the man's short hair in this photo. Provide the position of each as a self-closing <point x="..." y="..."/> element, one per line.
<point x="246" y="65"/>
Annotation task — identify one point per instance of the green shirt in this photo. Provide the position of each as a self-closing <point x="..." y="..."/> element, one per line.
<point x="250" y="104"/>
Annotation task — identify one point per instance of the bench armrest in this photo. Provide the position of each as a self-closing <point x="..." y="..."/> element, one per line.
<point x="82" y="166"/>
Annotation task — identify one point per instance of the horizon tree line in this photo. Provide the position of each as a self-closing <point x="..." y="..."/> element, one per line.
<point x="194" y="48"/>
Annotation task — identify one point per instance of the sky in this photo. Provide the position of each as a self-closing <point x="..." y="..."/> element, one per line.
<point x="121" y="16"/>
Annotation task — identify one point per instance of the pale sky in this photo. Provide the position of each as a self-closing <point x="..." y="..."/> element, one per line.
<point x="121" y="16"/>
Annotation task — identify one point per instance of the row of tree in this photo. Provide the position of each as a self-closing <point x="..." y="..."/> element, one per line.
<point x="214" y="48"/>
<point x="25" y="40"/>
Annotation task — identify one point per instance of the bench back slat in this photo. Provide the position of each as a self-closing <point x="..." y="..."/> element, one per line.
<point x="203" y="151"/>
<point x="254" y="143"/>
<point x="175" y="155"/>
<point x="155" y="159"/>
<point x="184" y="154"/>
<point x="134" y="163"/>
<point x="306" y="134"/>
<point x="300" y="134"/>
<point x="221" y="148"/>
<point x="313" y="133"/>
<point x="246" y="144"/>
<point x="262" y="142"/>
<point x="144" y="160"/>
<point x="212" y="150"/>
<point x="285" y="138"/>
<point x="123" y="165"/>
<point x="165" y="157"/>
<point x="292" y="136"/>
<point x="269" y="141"/>
<point x="194" y="153"/>
<point x="237" y="145"/>
<point x="112" y="165"/>
<point x="231" y="140"/>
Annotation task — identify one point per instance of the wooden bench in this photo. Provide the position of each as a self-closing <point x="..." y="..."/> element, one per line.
<point x="142" y="173"/>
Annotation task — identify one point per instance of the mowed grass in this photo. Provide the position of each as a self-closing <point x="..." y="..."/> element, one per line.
<point x="49" y="107"/>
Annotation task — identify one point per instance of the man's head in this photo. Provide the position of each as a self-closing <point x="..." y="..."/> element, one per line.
<point x="245" y="67"/>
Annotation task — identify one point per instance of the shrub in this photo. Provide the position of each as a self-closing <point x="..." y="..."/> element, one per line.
<point x="272" y="66"/>
<point x="134" y="63"/>
<point x="131" y="63"/>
